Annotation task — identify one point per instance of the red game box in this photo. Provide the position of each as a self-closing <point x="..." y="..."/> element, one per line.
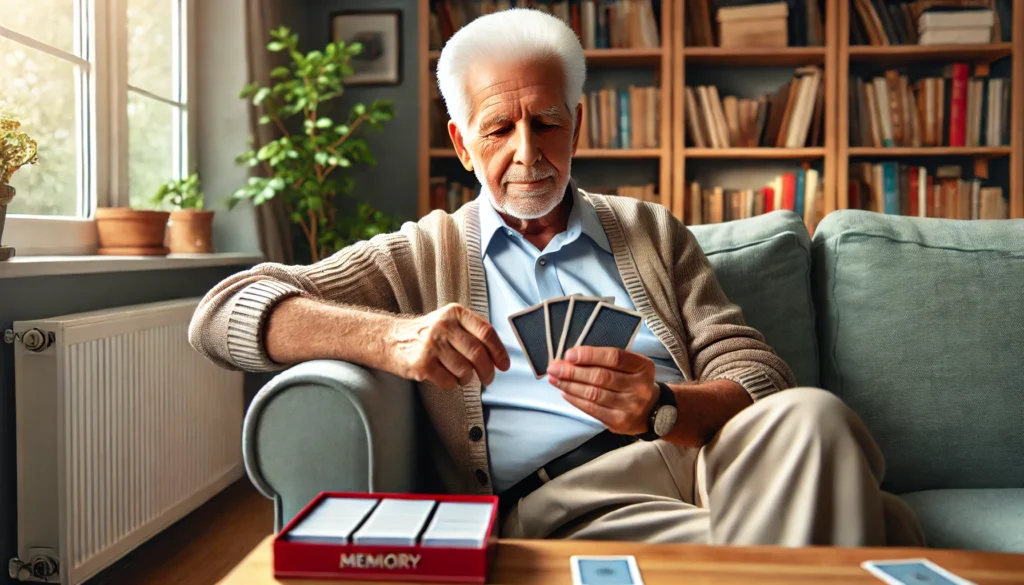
<point x="303" y="560"/>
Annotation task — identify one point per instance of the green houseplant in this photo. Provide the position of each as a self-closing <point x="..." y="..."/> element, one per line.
<point x="17" y="149"/>
<point x="191" y="226"/>
<point x="306" y="165"/>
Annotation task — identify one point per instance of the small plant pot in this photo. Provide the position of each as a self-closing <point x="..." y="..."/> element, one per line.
<point x="190" y="232"/>
<point x="131" y="232"/>
<point x="6" y="195"/>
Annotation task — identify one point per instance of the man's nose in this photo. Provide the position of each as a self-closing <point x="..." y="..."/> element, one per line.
<point x="527" y="151"/>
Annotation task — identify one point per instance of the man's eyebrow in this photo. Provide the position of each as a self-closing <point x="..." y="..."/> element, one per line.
<point x="494" y="120"/>
<point x="552" y="112"/>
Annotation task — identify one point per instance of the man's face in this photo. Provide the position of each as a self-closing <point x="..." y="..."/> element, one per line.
<point x="520" y="138"/>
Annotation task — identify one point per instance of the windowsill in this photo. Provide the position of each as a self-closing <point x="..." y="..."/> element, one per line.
<point x="28" y="266"/>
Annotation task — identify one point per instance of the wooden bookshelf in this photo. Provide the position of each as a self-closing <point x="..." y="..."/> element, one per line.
<point x="908" y="151"/>
<point x="657" y="59"/>
<point x="763" y="153"/>
<point x="900" y="54"/>
<point x="784" y="57"/>
<point x="670" y="63"/>
<point x="607" y="153"/>
<point x="608" y="57"/>
<point x="897" y="55"/>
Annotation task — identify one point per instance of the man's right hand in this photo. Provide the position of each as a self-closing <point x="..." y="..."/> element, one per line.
<point x="445" y="347"/>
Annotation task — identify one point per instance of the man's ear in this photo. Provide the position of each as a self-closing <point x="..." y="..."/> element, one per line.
<point x="460" y="145"/>
<point x="576" y="132"/>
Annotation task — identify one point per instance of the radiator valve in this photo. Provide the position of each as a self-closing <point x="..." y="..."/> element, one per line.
<point x="34" y="340"/>
<point x="40" y="568"/>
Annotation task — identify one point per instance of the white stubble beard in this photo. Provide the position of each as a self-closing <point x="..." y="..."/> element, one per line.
<point x="520" y="212"/>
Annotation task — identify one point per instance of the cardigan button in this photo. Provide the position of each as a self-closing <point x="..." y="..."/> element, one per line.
<point x="475" y="434"/>
<point x="481" y="476"/>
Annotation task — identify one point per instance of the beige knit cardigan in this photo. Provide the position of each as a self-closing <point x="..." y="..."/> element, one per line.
<point x="437" y="260"/>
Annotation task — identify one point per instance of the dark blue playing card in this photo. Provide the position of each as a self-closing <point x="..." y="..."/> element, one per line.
<point x="531" y="331"/>
<point x="611" y="326"/>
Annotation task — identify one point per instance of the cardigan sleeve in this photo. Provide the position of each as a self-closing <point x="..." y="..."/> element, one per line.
<point x="228" y="324"/>
<point x="720" y="344"/>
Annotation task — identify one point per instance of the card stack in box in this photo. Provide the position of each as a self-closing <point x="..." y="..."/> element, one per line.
<point x="390" y="537"/>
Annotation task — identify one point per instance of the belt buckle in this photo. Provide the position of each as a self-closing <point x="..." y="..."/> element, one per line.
<point x="543" y="475"/>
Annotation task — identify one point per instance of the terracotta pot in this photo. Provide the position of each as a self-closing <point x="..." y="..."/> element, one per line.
<point x="131" y="232"/>
<point x="190" y="232"/>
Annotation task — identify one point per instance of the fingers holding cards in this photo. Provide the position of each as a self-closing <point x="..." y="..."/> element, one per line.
<point x="547" y="330"/>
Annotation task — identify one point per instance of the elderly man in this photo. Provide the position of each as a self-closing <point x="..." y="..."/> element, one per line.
<point x="735" y="456"/>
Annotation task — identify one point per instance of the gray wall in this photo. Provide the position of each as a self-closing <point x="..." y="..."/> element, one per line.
<point x="50" y="296"/>
<point x="223" y="120"/>
<point x="391" y="185"/>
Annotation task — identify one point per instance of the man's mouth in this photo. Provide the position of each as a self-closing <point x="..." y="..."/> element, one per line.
<point x="529" y="184"/>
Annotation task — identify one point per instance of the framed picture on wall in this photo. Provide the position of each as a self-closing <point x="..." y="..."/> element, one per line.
<point x="380" y="33"/>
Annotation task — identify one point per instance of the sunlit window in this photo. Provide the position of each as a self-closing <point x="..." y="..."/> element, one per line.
<point x="101" y="86"/>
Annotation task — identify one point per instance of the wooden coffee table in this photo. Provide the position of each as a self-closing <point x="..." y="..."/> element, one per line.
<point x="547" y="562"/>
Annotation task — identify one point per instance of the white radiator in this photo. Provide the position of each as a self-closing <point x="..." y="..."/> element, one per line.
<point x="122" y="429"/>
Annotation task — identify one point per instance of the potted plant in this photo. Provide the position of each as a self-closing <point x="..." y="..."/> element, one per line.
<point x="191" y="227"/>
<point x="17" y="149"/>
<point x="302" y="166"/>
<point x="124" y="231"/>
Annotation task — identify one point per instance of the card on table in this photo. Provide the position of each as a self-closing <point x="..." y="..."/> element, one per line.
<point x="605" y="570"/>
<point x="333" y="521"/>
<point x="611" y="326"/>
<point x="394" y="522"/>
<point x="531" y="332"/>
<point x="913" y="572"/>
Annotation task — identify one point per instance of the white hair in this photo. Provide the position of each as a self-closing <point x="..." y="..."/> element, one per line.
<point x="516" y="35"/>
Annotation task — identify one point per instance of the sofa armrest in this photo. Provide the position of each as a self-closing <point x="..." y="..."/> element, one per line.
<point x="329" y="426"/>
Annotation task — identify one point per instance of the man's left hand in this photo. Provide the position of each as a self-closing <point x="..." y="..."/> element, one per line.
<point x="612" y="385"/>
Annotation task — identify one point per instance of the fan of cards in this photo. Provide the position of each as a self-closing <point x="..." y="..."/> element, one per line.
<point x="545" y="331"/>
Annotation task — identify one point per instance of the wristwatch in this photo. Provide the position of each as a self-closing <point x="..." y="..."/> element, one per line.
<point x="663" y="417"/>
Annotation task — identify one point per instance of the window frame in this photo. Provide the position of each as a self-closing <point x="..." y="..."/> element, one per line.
<point x="105" y="150"/>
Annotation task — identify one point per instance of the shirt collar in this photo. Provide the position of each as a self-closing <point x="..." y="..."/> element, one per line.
<point x="583" y="219"/>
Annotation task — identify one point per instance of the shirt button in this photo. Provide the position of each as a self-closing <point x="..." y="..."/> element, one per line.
<point x="543" y="262"/>
<point x="509" y="232"/>
<point x="481" y="476"/>
<point x="475" y="434"/>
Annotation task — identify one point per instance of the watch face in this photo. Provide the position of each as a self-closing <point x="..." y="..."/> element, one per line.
<point x="664" y="420"/>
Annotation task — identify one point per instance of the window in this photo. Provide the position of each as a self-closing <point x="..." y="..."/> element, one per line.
<point x="102" y="86"/>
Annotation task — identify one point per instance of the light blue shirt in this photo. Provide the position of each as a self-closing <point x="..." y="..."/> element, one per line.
<point x="528" y="422"/>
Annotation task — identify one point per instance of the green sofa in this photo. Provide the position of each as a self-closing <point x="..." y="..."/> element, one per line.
<point x="917" y="324"/>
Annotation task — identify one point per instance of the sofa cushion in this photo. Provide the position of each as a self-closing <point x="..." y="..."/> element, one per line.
<point x="763" y="264"/>
<point x="979" y="519"/>
<point x="920" y="327"/>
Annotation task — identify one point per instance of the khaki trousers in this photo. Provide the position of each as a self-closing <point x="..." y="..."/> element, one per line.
<point x="797" y="468"/>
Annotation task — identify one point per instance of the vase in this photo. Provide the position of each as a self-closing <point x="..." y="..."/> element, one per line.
<point x="190" y="232"/>
<point x="6" y="195"/>
<point x="131" y="232"/>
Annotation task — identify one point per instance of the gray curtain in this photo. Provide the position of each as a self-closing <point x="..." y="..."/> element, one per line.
<point x="272" y="222"/>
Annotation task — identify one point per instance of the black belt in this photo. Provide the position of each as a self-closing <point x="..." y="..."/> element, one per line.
<point x="599" y="445"/>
